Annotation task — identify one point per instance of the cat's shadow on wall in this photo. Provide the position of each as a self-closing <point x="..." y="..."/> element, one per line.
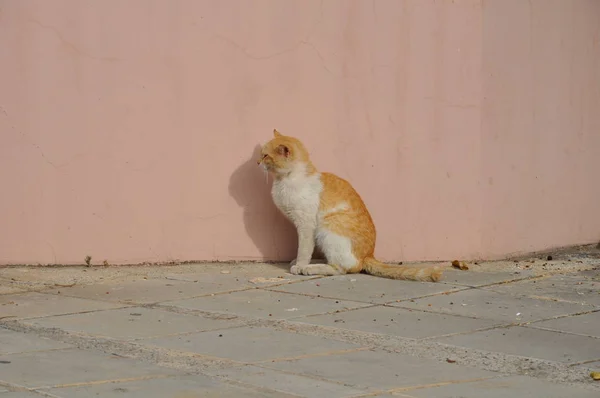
<point x="273" y="235"/>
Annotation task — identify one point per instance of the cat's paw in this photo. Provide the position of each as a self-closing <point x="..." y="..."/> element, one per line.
<point x="296" y="270"/>
<point x="293" y="262"/>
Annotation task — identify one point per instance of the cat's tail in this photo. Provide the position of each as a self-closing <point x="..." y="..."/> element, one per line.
<point x="424" y="274"/>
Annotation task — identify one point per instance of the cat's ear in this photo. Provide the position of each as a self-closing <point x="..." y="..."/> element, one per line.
<point x="277" y="134"/>
<point x="283" y="150"/>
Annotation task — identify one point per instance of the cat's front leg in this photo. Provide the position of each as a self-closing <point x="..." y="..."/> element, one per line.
<point x="306" y="246"/>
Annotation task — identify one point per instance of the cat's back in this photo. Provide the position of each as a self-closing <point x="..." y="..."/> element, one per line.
<point x="343" y="213"/>
<point x="337" y="191"/>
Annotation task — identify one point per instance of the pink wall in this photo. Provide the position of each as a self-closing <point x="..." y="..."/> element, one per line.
<point x="471" y="128"/>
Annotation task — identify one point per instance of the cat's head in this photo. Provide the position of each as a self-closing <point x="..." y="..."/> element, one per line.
<point x="284" y="154"/>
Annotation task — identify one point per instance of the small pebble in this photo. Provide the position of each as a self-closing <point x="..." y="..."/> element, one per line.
<point x="549" y="258"/>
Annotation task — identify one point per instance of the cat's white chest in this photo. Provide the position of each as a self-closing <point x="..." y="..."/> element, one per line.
<point x="298" y="197"/>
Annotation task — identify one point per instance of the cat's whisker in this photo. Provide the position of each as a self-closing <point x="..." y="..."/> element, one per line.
<point x="264" y="167"/>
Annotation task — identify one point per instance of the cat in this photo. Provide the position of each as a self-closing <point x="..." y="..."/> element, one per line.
<point x="328" y="212"/>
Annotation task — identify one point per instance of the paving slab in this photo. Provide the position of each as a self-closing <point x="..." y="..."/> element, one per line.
<point x="488" y="304"/>
<point x="5" y="288"/>
<point x="288" y="383"/>
<point x="574" y="288"/>
<point x="366" y="288"/>
<point x="585" y="324"/>
<point x="233" y="278"/>
<point x="12" y="342"/>
<point x="251" y="344"/>
<point x="266" y="304"/>
<point x="591" y="274"/>
<point x="193" y="386"/>
<point x="529" y="342"/>
<point x="29" y="305"/>
<point x="514" y="386"/>
<point x="52" y="368"/>
<point x="592" y="366"/>
<point x="378" y="370"/>
<point x="136" y="323"/>
<point x="479" y="278"/>
<point x="399" y="322"/>
<point x="144" y="291"/>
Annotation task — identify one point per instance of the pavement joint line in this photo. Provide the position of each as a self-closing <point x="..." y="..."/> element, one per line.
<point x="202" y="313"/>
<point x="546" y="274"/>
<point x="558" y="300"/>
<point x="342" y="311"/>
<point x="292" y="282"/>
<point x="44" y="393"/>
<point x="423" y="386"/>
<point x="13" y="387"/>
<point x="68" y="313"/>
<point x="242" y="318"/>
<point x="584" y="362"/>
<point x="561" y="331"/>
<point x="246" y="289"/>
<point x="474" y="317"/>
<point x="138" y="303"/>
<point x="106" y="381"/>
<point x="445" y="293"/>
<point x="21" y="291"/>
<point x="314" y="295"/>
<point x="49" y="291"/>
<point x="484" y="329"/>
<point x="315" y="355"/>
<point x="254" y="387"/>
<point x="505" y="282"/>
<point x="33" y="351"/>
<point x="305" y="375"/>
<point x="559" y="317"/>
<point x="459" y="288"/>
<point x="183" y="334"/>
<point x="430" y="311"/>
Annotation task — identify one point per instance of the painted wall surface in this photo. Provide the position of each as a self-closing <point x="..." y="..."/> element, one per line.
<point x="128" y="129"/>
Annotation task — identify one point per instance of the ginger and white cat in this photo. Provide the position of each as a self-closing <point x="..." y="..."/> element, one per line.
<point x="326" y="210"/>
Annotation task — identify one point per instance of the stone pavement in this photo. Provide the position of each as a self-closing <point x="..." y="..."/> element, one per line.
<point x="526" y="329"/>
